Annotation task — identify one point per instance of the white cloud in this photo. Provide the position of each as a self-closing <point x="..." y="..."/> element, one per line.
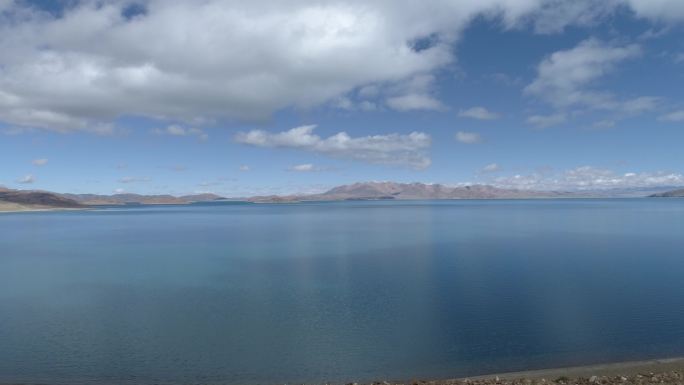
<point x="202" y="61"/>
<point x="590" y="178"/>
<point x="414" y="102"/>
<point x="176" y="130"/>
<point x="479" y="113"/>
<point x="369" y="91"/>
<point x="215" y="59"/>
<point x="493" y="167"/>
<point x="667" y="10"/>
<point x="407" y="150"/>
<point x="243" y="168"/>
<point x="307" y="167"/>
<point x="564" y="79"/>
<point x="416" y="93"/>
<point x="347" y="104"/>
<point x="39" y="162"/>
<point x="26" y="179"/>
<point x="674" y="116"/>
<point x="639" y="105"/>
<point x="555" y="15"/>
<point x="343" y="103"/>
<point x="367" y="106"/>
<point x="133" y="179"/>
<point x="119" y="191"/>
<point x="545" y="121"/>
<point x="602" y="124"/>
<point x="468" y="137"/>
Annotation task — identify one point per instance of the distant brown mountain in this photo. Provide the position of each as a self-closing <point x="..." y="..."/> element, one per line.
<point x="670" y="194"/>
<point x="127" y="199"/>
<point x="24" y="200"/>
<point x="406" y="191"/>
<point x="15" y="200"/>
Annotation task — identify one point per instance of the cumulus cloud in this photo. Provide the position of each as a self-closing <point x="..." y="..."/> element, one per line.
<point x="479" y="113"/>
<point x="26" y="179"/>
<point x="665" y="10"/>
<point x="407" y="150"/>
<point x="306" y="167"/>
<point x="39" y="162"/>
<point x="133" y="179"/>
<point x="674" y="116"/>
<point x="343" y="103"/>
<point x="639" y="105"/>
<point x="415" y="94"/>
<point x="555" y="15"/>
<point x="589" y="178"/>
<point x="493" y="167"/>
<point x="565" y="78"/>
<point x="192" y="61"/>
<point x="243" y="168"/>
<point x="545" y="121"/>
<point x="414" y="102"/>
<point x="176" y="130"/>
<point x="468" y="137"/>
<point x="203" y="61"/>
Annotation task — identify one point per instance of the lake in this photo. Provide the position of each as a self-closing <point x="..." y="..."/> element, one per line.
<point x="347" y="291"/>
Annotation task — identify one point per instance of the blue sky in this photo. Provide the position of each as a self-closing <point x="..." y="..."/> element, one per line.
<point x="298" y="96"/>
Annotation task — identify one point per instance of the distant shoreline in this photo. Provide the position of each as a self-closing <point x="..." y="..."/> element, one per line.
<point x="10" y="208"/>
<point x="34" y="200"/>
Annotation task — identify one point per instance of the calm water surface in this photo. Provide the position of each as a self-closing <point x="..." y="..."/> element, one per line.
<point x="337" y="291"/>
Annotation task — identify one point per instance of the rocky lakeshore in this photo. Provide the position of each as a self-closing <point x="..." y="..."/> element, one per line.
<point x="663" y="371"/>
<point x="670" y="378"/>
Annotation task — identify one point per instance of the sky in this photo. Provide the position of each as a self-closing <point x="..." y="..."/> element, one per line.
<point x="276" y="97"/>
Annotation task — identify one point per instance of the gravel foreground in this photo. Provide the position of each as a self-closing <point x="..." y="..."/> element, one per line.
<point x="665" y="371"/>
<point x="637" y="379"/>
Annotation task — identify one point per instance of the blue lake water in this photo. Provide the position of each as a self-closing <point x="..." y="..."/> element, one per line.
<point x="349" y="291"/>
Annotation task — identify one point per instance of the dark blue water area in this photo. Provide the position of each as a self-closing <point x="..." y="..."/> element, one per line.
<point x="341" y="292"/>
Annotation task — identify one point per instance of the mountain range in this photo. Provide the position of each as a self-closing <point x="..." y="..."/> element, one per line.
<point x="26" y="200"/>
<point x="411" y="191"/>
<point x="128" y="199"/>
<point x="670" y="194"/>
<point x="18" y="200"/>
<point x="22" y="200"/>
